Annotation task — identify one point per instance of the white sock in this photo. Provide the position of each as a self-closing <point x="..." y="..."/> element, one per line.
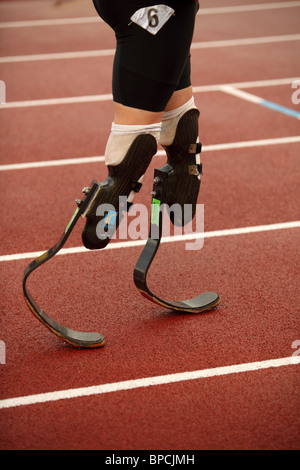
<point x="121" y="138"/>
<point x="170" y="120"/>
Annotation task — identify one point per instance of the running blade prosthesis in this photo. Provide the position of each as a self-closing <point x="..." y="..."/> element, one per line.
<point x="76" y="338"/>
<point x="198" y="304"/>
<point x="202" y="302"/>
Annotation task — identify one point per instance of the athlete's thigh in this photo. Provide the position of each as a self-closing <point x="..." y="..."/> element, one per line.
<point x="149" y="67"/>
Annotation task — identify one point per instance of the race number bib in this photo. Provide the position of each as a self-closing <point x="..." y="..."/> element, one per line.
<point x="152" y="18"/>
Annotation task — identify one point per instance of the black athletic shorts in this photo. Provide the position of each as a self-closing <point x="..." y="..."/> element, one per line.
<point x="148" y="68"/>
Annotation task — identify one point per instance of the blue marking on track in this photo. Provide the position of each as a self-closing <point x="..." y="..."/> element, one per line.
<point x="280" y="109"/>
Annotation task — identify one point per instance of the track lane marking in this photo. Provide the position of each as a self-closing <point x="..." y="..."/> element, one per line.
<point x="147" y="382"/>
<point x="246" y="96"/>
<point x="101" y="158"/>
<point x="109" y="97"/>
<point x="111" y="52"/>
<point x="170" y="239"/>
<point x="56" y="101"/>
<point x="245" y="41"/>
<point x="247" y="8"/>
<point x="202" y="11"/>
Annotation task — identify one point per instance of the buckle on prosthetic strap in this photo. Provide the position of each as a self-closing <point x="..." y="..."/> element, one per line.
<point x="196" y="169"/>
<point x="195" y="148"/>
<point x="92" y="192"/>
<point x="90" y="195"/>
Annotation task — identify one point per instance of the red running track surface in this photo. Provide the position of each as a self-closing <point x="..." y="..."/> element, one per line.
<point x="255" y="272"/>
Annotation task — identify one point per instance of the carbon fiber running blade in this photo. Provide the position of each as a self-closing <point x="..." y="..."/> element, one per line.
<point x="75" y="338"/>
<point x="200" y="303"/>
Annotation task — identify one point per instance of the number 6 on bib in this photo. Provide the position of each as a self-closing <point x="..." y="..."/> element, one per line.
<point x="152" y="18"/>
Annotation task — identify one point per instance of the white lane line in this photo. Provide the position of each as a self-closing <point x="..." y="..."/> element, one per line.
<point x="252" y="84"/>
<point x="110" y="52"/>
<point x="246" y="8"/>
<point x="57" y="56"/>
<point x="108" y="97"/>
<point x="147" y="382"/>
<point x="56" y="101"/>
<point x="202" y="11"/>
<point x="245" y="95"/>
<point x="245" y="41"/>
<point x="51" y="22"/>
<point x="49" y="163"/>
<point x="170" y="239"/>
<point x="101" y="158"/>
<point x="251" y="143"/>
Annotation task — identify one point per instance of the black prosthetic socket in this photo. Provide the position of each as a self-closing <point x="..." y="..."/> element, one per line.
<point x="183" y="171"/>
<point x="102" y="221"/>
